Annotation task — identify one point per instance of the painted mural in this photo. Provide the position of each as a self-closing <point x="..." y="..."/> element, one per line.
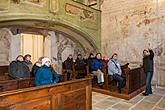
<point x="15" y="1"/>
<point x="35" y="2"/>
<point x="83" y="13"/>
<point x="58" y="46"/>
<point x="128" y="30"/>
<point x="5" y="41"/>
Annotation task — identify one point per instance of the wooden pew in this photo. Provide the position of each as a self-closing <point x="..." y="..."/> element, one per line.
<point x="6" y="85"/>
<point x="135" y="83"/>
<point x="77" y="70"/>
<point x="69" y="95"/>
<point x="3" y="72"/>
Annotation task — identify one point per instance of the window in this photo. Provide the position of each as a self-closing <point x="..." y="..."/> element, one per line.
<point x="33" y="45"/>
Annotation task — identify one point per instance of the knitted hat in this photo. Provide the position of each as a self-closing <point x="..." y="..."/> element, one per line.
<point x="44" y="60"/>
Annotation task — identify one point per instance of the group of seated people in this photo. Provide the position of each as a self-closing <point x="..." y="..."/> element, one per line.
<point x="22" y="68"/>
<point x="44" y="74"/>
<point x="97" y="65"/>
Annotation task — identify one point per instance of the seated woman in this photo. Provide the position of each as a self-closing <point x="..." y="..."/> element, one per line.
<point x="44" y="75"/>
<point x="114" y="69"/>
<point x="18" y="69"/>
<point x="97" y="69"/>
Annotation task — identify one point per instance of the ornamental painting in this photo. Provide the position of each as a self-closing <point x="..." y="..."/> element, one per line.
<point x="5" y="41"/>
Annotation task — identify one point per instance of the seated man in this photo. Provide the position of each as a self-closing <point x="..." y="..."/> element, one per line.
<point x="90" y="59"/>
<point x="97" y="68"/>
<point x="79" y="60"/>
<point x="114" y="69"/>
<point x="68" y="64"/>
<point x="79" y="65"/>
<point x="18" y="69"/>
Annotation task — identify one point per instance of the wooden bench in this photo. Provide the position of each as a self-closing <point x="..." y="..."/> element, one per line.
<point x="3" y="72"/>
<point x="135" y="83"/>
<point x="80" y="71"/>
<point x="6" y="85"/>
<point x="69" y="95"/>
<point x="77" y="70"/>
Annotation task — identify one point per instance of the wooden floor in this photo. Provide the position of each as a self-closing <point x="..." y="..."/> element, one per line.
<point x="118" y="95"/>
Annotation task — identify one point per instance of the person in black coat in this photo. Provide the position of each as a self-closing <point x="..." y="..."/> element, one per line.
<point x="36" y="66"/>
<point x="68" y="65"/>
<point x="148" y="65"/>
<point x="90" y="59"/>
<point x="27" y="60"/>
<point x="18" y="69"/>
<point x="79" y="60"/>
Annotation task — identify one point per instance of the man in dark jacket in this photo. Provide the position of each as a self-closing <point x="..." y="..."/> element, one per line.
<point x="148" y="65"/>
<point x="79" y="60"/>
<point x="68" y="65"/>
<point x="90" y="59"/>
<point x="18" y="69"/>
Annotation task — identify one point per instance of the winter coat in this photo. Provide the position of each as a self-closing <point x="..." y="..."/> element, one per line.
<point x="18" y="69"/>
<point x="97" y="64"/>
<point x="43" y="76"/>
<point x="114" y="67"/>
<point x="68" y="64"/>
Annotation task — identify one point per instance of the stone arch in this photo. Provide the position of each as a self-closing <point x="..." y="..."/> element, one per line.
<point x="75" y="34"/>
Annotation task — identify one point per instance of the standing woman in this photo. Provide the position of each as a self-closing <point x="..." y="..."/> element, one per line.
<point x="148" y="65"/>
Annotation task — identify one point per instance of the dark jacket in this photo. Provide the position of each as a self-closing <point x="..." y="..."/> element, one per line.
<point x="34" y="70"/>
<point x="148" y="62"/>
<point x="97" y="64"/>
<point x="43" y="76"/>
<point x="90" y="63"/>
<point x="29" y="64"/>
<point x="80" y="62"/>
<point x="68" y="64"/>
<point x="18" y="69"/>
